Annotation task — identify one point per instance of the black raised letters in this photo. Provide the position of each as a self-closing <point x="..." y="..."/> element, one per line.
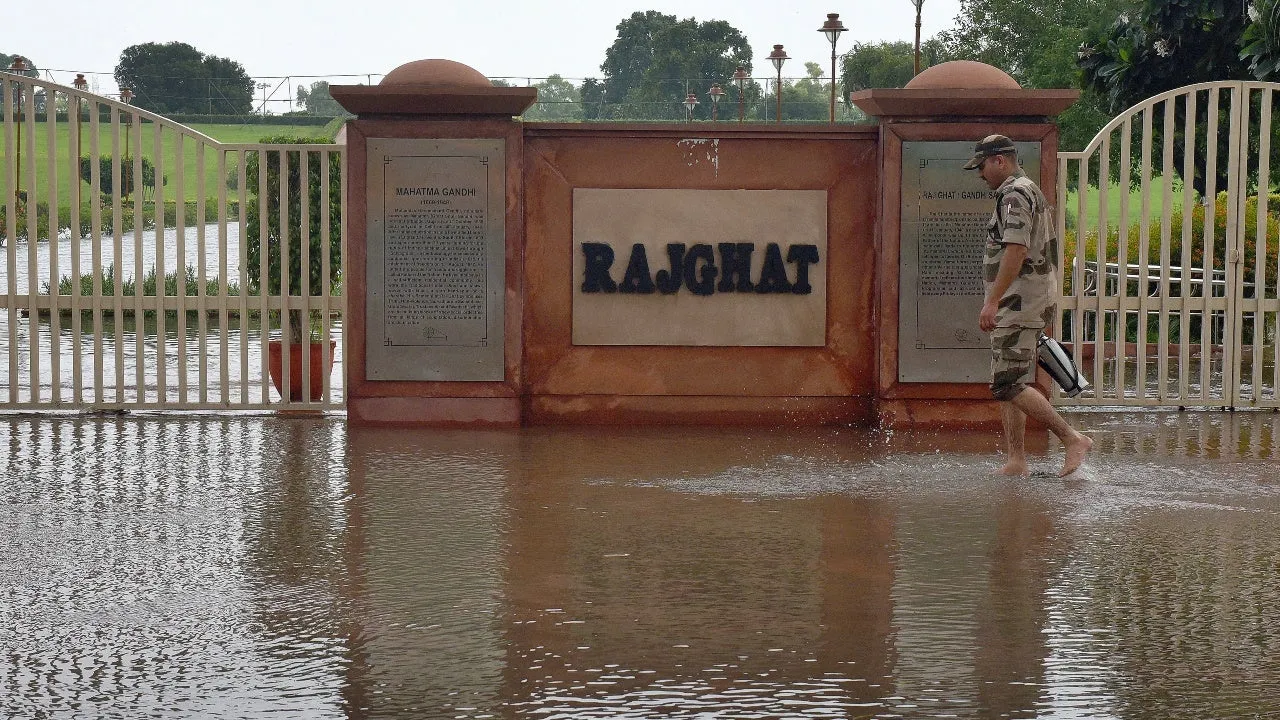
<point x="803" y="256"/>
<point x="735" y="261"/>
<point x="636" y="279"/>
<point x="773" y="276"/>
<point x="701" y="282"/>
<point x="694" y="268"/>
<point x="669" y="281"/>
<point x="595" y="276"/>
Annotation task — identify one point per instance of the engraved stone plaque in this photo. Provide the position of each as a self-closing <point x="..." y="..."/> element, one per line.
<point x="945" y="210"/>
<point x="436" y="259"/>
<point x="699" y="267"/>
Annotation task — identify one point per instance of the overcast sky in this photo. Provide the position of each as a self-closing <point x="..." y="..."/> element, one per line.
<point x="500" y="38"/>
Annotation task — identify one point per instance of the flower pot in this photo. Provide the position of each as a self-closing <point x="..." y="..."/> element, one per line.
<point x="320" y="367"/>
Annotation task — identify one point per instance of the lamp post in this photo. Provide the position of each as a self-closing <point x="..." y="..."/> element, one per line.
<point x="919" y="4"/>
<point x="777" y="57"/>
<point x="263" y="87"/>
<point x="715" y="92"/>
<point x="82" y="85"/>
<point x="126" y="97"/>
<point x="18" y="67"/>
<point x="832" y="29"/>
<point x="690" y="102"/>
<point x="740" y="77"/>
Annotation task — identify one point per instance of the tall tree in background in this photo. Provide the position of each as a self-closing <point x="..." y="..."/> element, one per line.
<point x="885" y="64"/>
<point x="558" y="101"/>
<point x="807" y="98"/>
<point x="316" y="100"/>
<point x="1036" y="43"/>
<point x="1164" y="45"/>
<point x="656" y="59"/>
<point x="175" y="77"/>
<point x="1171" y="43"/>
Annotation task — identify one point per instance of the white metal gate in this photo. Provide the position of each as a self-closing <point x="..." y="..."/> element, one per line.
<point x="1170" y="242"/>
<point x="148" y="266"/>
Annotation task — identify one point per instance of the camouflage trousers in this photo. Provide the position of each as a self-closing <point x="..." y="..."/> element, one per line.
<point x="1013" y="360"/>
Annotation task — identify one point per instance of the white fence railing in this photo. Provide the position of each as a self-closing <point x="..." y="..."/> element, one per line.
<point x="148" y="266"/>
<point x="1171" y="297"/>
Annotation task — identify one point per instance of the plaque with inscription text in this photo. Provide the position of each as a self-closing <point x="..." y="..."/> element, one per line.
<point x="436" y="259"/>
<point x="945" y="210"/>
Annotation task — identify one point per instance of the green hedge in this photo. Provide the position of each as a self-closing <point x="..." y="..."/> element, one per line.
<point x="189" y="214"/>
<point x="1154" y="230"/>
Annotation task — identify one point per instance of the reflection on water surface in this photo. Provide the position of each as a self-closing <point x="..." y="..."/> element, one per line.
<point x="239" y="566"/>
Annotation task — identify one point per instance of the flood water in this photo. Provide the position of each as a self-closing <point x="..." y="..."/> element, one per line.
<point x="234" y="567"/>
<point x="200" y="361"/>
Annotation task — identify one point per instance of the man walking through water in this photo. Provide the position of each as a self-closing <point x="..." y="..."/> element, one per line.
<point x="1020" y="278"/>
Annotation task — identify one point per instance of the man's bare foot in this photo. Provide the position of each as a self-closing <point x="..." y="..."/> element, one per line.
<point x="1013" y="468"/>
<point x="1077" y="447"/>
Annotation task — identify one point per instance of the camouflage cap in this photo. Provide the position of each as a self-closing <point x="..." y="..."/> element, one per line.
<point x="988" y="146"/>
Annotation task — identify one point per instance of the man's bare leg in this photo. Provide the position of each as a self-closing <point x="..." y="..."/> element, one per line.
<point x="1076" y="445"/>
<point x="1015" y="433"/>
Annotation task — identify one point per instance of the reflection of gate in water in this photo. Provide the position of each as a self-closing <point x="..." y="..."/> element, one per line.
<point x="1169" y="300"/>
<point x="156" y="294"/>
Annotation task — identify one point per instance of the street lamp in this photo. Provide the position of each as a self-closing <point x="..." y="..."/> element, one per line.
<point x="81" y="85"/>
<point x="740" y="77"/>
<point x="18" y="67"/>
<point x="263" y="87"/>
<point x="777" y="57"/>
<point x="126" y="97"/>
<point x="919" y="4"/>
<point x="715" y="92"/>
<point x="690" y="102"/>
<point x="832" y="29"/>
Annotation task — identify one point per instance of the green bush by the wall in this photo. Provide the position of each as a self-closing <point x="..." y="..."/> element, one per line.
<point x="1195" y="257"/>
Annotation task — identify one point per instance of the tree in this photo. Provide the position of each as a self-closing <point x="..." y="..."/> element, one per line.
<point x="175" y="77"/>
<point x="1036" y="43"/>
<point x="656" y="57"/>
<point x="1167" y="44"/>
<point x="807" y="98"/>
<point x="558" y="101"/>
<point x="316" y="100"/>
<point x="886" y="64"/>
<point x="294" y="183"/>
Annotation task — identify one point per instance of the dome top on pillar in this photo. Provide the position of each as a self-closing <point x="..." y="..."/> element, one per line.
<point x="963" y="75"/>
<point x="436" y="71"/>
<point x="434" y="87"/>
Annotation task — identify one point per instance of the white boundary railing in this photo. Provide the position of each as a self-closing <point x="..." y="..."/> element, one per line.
<point x="168" y="292"/>
<point x="1155" y="333"/>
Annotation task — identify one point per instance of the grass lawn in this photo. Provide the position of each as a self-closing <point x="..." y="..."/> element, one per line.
<point x="1117" y="196"/>
<point x="166" y="160"/>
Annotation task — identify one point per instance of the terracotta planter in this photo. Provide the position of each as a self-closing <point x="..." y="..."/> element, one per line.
<point x="320" y="367"/>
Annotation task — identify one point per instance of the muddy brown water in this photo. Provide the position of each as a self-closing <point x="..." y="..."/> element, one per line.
<point x="241" y="567"/>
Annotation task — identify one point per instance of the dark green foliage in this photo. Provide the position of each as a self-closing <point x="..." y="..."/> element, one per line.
<point x="657" y="59"/>
<point x="885" y="64"/>
<point x="149" y="284"/>
<point x="1036" y="43"/>
<point x="316" y="100"/>
<point x="294" y="184"/>
<point x="106" y="182"/>
<point x="1163" y="45"/>
<point x="175" y="77"/>
<point x="558" y="101"/>
<point x="1167" y="44"/>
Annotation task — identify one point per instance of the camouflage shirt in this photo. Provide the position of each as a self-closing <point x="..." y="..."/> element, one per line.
<point x="1022" y="217"/>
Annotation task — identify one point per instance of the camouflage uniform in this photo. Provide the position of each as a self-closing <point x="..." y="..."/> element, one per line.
<point x="1021" y="217"/>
